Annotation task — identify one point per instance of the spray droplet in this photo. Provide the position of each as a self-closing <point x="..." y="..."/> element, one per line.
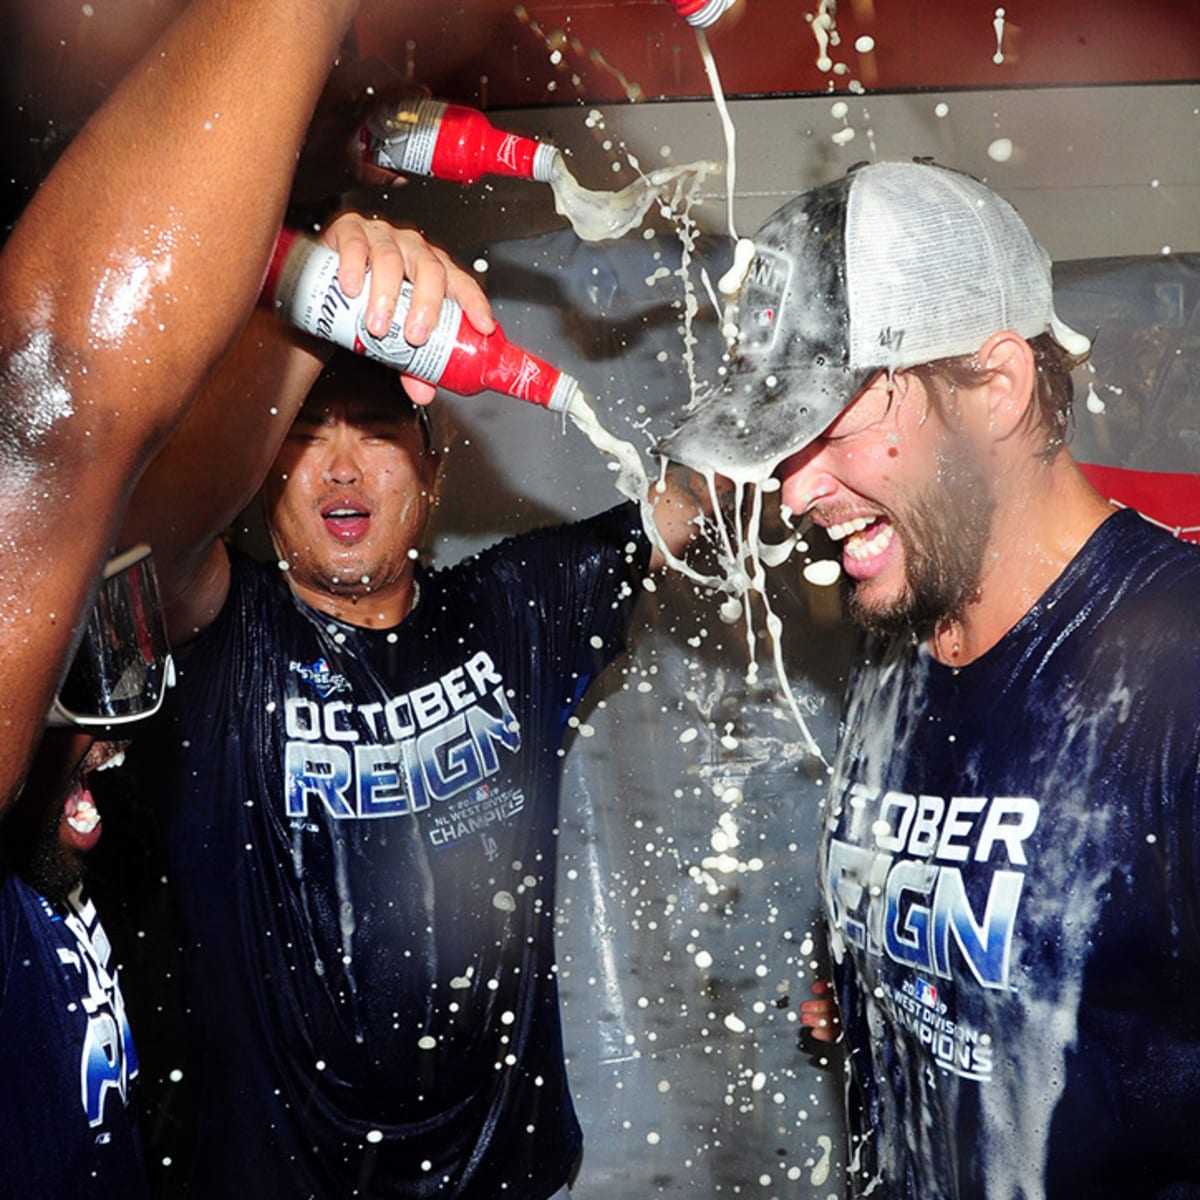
<point x="823" y="572"/>
<point x="1001" y="150"/>
<point x="731" y="610"/>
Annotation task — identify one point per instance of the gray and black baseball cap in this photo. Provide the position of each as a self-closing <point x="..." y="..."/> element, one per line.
<point x="896" y="264"/>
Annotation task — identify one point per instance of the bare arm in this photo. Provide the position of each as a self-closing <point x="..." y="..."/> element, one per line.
<point x="681" y="502"/>
<point x="121" y="285"/>
<point x="215" y="462"/>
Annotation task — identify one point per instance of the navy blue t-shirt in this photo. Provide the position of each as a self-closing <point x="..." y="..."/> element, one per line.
<point x="1010" y="875"/>
<point x="362" y="846"/>
<point x="66" y="1056"/>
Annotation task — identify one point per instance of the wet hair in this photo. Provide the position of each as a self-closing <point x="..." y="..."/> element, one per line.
<point x="359" y="373"/>
<point x="1053" y="394"/>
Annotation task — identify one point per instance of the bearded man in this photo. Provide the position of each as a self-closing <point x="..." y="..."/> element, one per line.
<point x="1008" y="861"/>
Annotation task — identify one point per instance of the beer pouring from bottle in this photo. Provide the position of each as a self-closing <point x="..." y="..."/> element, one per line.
<point x="302" y="287"/>
<point x="452" y="142"/>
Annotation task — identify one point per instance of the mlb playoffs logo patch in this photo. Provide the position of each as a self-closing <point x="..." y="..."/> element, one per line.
<point x="762" y="296"/>
<point x="318" y="675"/>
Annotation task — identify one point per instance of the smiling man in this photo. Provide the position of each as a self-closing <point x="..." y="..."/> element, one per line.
<point x="1009" y="855"/>
<point x="69" y="1061"/>
<point x="362" y="777"/>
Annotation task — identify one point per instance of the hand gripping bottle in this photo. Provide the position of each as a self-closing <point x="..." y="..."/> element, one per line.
<point x="302" y="287"/>
<point x="701" y="13"/>
<point x="450" y="141"/>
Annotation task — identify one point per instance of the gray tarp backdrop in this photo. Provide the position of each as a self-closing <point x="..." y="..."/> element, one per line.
<point x="687" y="913"/>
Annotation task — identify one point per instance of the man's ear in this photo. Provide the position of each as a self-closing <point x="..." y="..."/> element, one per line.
<point x="1007" y="358"/>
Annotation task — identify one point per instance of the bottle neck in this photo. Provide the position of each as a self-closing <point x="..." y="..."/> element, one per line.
<point x="469" y="146"/>
<point x="498" y="365"/>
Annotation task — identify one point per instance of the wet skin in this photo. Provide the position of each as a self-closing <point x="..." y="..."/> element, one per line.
<point x="905" y="496"/>
<point x="54" y="824"/>
<point x="347" y="498"/>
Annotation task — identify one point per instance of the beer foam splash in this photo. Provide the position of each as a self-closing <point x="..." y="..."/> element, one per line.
<point x="603" y="216"/>
<point x="742" y="555"/>
<point x="598" y="216"/>
<point x="606" y="215"/>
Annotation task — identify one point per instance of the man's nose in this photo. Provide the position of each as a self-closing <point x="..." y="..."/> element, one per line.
<point x="805" y="480"/>
<point x="343" y="465"/>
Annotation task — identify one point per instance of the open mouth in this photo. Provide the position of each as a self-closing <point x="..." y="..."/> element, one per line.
<point x="867" y="541"/>
<point x="79" y="807"/>
<point x="345" y="522"/>
<point x="81" y="812"/>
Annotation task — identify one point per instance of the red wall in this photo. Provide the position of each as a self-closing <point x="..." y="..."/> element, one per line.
<point x="918" y="44"/>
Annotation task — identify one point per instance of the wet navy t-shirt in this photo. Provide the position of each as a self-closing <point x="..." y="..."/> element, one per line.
<point x="66" y="1056"/>
<point x="1010" y="875"/>
<point x="362" y="844"/>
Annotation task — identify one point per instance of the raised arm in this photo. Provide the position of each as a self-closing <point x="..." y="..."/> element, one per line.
<point x="681" y="501"/>
<point x="221" y="453"/>
<point x="131" y="269"/>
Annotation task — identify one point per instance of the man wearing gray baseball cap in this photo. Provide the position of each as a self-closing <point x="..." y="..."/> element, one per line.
<point x="1011" y="841"/>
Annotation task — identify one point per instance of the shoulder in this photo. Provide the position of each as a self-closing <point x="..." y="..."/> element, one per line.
<point x="1142" y="607"/>
<point x="249" y="572"/>
<point x="253" y="584"/>
<point x="256" y="595"/>
<point x="1148" y="580"/>
<point x="597" y="542"/>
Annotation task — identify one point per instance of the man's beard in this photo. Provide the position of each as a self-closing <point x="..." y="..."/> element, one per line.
<point x="53" y="873"/>
<point x="945" y="532"/>
<point x="31" y="830"/>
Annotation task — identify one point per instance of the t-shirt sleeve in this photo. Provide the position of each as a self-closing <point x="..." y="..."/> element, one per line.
<point x="227" y="658"/>
<point x="1151" y="666"/>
